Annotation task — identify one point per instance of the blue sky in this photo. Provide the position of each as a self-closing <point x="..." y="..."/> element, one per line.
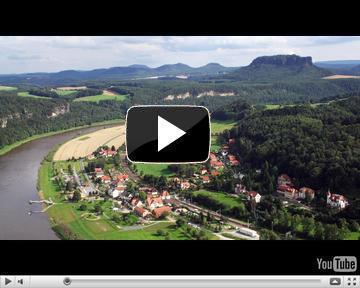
<point x="22" y="54"/>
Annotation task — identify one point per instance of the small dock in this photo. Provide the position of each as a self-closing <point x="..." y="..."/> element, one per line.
<point x="49" y="203"/>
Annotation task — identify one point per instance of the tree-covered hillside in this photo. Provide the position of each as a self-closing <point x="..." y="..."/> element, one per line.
<point x="318" y="145"/>
<point x="22" y="117"/>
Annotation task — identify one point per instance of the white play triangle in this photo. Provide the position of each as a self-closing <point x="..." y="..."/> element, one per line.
<point x="167" y="133"/>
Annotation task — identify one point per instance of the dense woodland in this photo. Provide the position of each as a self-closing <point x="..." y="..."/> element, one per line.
<point x="318" y="145"/>
<point x="25" y="117"/>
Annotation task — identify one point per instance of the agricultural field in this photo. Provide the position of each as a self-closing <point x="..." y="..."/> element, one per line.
<point x="7" y="88"/>
<point x="154" y="169"/>
<point x="220" y="126"/>
<point x="71" y="88"/>
<point x="102" y="97"/>
<point x="61" y="92"/>
<point x="85" y="145"/>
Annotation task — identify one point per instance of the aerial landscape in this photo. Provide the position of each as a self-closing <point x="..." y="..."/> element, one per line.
<point x="285" y="143"/>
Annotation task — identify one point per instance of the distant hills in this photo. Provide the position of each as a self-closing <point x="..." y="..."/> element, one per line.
<point x="279" y="68"/>
<point x="348" y="67"/>
<point x="116" y="73"/>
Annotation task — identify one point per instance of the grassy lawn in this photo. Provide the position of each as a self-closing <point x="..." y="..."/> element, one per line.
<point x="220" y="198"/>
<point x="353" y="236"/>
<point x="148" y="233"/>
<point x="154" y="169"/>
<point x="220" y="126"/>
<point x="277" y="106"/>
<point x="27" y="94"/>
<point x="12" y="146"/>
<point x="65" y="92"/>
<point x="7" y="88"/>
<point x="215" y="146"/>
<point x="64" y="165"/>
<point x="98" y="98"/>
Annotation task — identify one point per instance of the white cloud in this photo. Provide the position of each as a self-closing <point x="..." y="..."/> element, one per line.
<point x="42" y="53"/>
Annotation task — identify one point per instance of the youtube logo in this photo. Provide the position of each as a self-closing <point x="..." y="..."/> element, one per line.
<point x="168" y="134"/>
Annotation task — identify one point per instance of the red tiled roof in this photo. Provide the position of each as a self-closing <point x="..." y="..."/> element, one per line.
<point x="105" y="177"/>
<point x="285" y="176"/>
<point x="252" y="193"/>
<point x="159" y="211"/>
<point x="120" y="188"/>
<point x="139" y="210"/>
<point x="215" y="173"/>
<point x="165" y="193"/>
<point x="205" y="178"/>
<point x="216" y="163"/>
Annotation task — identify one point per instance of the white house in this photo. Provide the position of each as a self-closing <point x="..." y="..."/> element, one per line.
<point x="114" y="193"/>
<point x="336" y="201"/>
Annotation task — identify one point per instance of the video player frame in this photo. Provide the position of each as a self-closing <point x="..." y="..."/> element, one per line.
<point x="168" y="163"/>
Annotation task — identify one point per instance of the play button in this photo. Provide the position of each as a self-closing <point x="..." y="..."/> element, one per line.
<point x="167" y="134"/>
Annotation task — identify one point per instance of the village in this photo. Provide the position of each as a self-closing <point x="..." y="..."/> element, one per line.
<point x="129" y="194"/>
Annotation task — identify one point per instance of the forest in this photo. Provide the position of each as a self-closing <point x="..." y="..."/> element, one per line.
<point x="318" y="145"/>
<point x="22" y="117"/>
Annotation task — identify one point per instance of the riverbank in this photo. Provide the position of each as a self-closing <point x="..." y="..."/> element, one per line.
<point x="67" y="218"/>
<point x="8" y="148"/>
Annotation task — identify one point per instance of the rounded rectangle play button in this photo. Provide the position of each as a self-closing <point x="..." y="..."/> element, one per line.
<point x="168" y="134"/>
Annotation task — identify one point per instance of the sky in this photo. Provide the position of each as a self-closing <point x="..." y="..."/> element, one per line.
<point x="24" y="54"/>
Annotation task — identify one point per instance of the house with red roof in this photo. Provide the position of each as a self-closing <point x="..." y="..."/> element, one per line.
<point x="253" y="196"/>
<point x="136" y="202"/>
<point x="107" y="153"/>
<point x="287" y="191"/>
<point x="216" y="164"/>
<point x="105" y="179"/>
<point x="139" y="211"/>
<point x="205" y="179"/>
<point x="122" y="177"/>
<point x="153" y="203"/>
<point x="284" y="179"/>
<point x="165" y="195"/>
<point x="215" y="173"/>
<point x="158" y="212"/>
<point x="336" y="201"/>
<point x="184" y="185"/>
<point x="98" y="172"/>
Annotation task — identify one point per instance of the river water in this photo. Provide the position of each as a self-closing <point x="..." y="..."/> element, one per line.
<point x="18" y="179"/>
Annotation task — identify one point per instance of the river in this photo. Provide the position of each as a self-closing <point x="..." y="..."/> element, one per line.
<point x="18" y="179"/>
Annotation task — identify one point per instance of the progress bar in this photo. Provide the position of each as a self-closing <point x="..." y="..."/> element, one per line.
<point x="179" y="281"/>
